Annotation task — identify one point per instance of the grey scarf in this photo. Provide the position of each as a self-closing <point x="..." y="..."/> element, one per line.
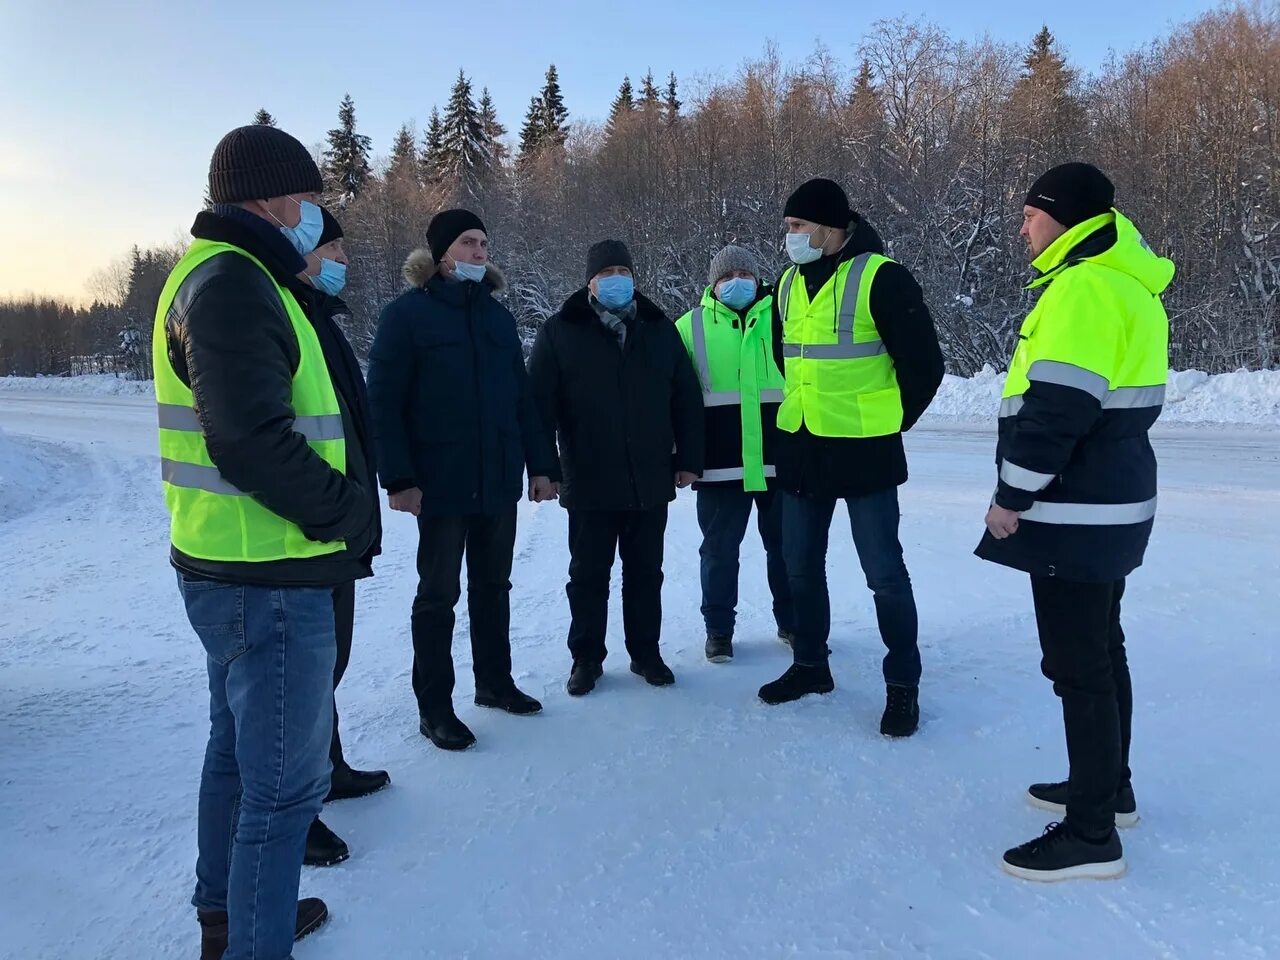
<point x="615" y="321"/>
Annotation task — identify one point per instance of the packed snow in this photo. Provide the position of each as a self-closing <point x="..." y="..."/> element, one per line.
<point x="1247" y="397"/>
<point x="689" y="823"/>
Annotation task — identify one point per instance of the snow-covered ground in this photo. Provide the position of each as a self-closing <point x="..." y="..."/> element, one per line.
<point x="677" y="824"/>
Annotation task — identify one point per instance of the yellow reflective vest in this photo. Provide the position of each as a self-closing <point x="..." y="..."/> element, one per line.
<point x="209" y="518"/>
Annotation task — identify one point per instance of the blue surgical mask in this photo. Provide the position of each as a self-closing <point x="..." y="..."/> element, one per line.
<point x="615" y="292"/>
<point x="800" y="250"/>
<point x="305" y="237"/>
<point x="737" y="292"/>
<point x="473" y="272"/>
<point x="331" y="278"/>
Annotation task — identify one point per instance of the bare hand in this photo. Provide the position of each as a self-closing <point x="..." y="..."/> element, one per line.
<point x="684" y="478"/>
<point x="406" y="501"/>
<point x="542" y="489"/>
<point x="1001" y="523"/>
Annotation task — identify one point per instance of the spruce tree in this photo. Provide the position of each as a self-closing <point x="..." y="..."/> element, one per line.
<point x="624" y="104"/>
<point x="1048" y="113"/>
<point x="346" y="161"/>
<point x="555" y="116"/>
<point x="403" y="165"/>
<point x="650" y="100"/>
<point x="432" y="158"/>
<point x="533" y="133"/>
<point x="464" y="156"/>
<point x="493" y="129"/>
<point x="671" y="105"/>
<point x="263" y="119"/>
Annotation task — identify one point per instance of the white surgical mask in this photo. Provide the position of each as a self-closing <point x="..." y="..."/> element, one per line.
<point x="800" y="249"/>
<point x="474" y="272"/>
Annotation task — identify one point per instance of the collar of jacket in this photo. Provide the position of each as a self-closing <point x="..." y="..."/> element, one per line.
<point x="420" y="268"/>
<point x="240" y="228"/>
<point x="578" y="309"/>
<point x="1083" y="240"/>
<point x="862" y="239"/>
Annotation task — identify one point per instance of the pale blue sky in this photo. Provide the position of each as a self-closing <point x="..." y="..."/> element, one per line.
<point x="110" y="110"/>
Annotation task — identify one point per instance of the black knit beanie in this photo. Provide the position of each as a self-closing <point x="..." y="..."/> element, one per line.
<point x="821" y="201"/>
<point x="446" y="227"/>
<point x="606" y="254"/>
<point x="1073" y="193"/>
<point x="332" y="228"/>
<point x="259" y="162"/>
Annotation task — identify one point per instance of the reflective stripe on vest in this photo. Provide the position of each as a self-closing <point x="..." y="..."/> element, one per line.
<point x="732" y="473"/>
<point x="173" y="416"/>
<point x="1091" y="514"/>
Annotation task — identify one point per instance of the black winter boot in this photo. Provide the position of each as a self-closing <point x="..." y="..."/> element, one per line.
<point x="507" y="697"/>
<point x="324" y="847"/>
<point x="312" y="913"/>
<point x="797" y="682"/>
<point x="1062" y="854"/>
<point x="446" y="731"/>
<point x="901" y="711"/>
<point x="348" y="784"/>
<point x="583" y="677"/>
<point x="655" y="672"/>
<point x="719" y="648"/>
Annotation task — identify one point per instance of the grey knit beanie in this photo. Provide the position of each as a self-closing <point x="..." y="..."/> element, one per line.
<point x="732" y="258"/>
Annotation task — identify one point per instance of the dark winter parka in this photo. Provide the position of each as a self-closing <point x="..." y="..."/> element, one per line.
<point x="452" y="410"/>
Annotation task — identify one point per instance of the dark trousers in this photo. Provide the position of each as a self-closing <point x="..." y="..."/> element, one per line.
<point x="344" y="622"/>
<point x="488" y="542"/>
<point x="595" y="537"/>
<point x="723" y="514"/>
<point x="806" y="525"/>
<point x="1083" y="647"/>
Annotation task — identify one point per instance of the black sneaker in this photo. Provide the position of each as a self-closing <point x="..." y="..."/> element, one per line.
<point x="446" y="731"/>
<point x="901" y="711"/>
<point x="509" y="698"/>
<point x="349" y="784"/>
<point x="1053" y="797"/>
<point x="1060" y="854"/>
<point x="797" y="682"/>
<point x="719" y="648"/>
<point x="324" y="847"/>
<point x="583" y="677"/>
<point x="655" y="672"/>
<point x="312" y="913"/>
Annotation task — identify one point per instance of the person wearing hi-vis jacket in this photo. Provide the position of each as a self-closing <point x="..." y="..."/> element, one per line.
<point x="729" y="336"/>
<point x="862" y="363"/>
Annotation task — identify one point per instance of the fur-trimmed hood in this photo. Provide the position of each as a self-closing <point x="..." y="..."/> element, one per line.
<point x="420" y="267"/>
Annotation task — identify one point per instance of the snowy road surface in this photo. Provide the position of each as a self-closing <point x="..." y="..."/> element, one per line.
<point x="691" y="822"/>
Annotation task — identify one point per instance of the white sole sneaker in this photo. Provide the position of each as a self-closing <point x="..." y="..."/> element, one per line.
<point x="1123" y="820"/>
<point x="719" y="659"/>
<point x="1110" y="870"/>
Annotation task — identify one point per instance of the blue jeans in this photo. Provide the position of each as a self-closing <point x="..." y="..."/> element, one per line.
<point x="271" y="654"/>
<point x="806" y="524"/>
<point x="723" y="513"/>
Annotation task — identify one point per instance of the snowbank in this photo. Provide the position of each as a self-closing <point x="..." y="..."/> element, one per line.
<point x="1249" y="397"/>
<point x="24" y="474"/>
<point x="97" y="384"/>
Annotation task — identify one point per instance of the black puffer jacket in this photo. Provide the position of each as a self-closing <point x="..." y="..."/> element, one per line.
<point x="230" y="340"/>
<point x="627" y="419"/>
<point x="846" y="467"/>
